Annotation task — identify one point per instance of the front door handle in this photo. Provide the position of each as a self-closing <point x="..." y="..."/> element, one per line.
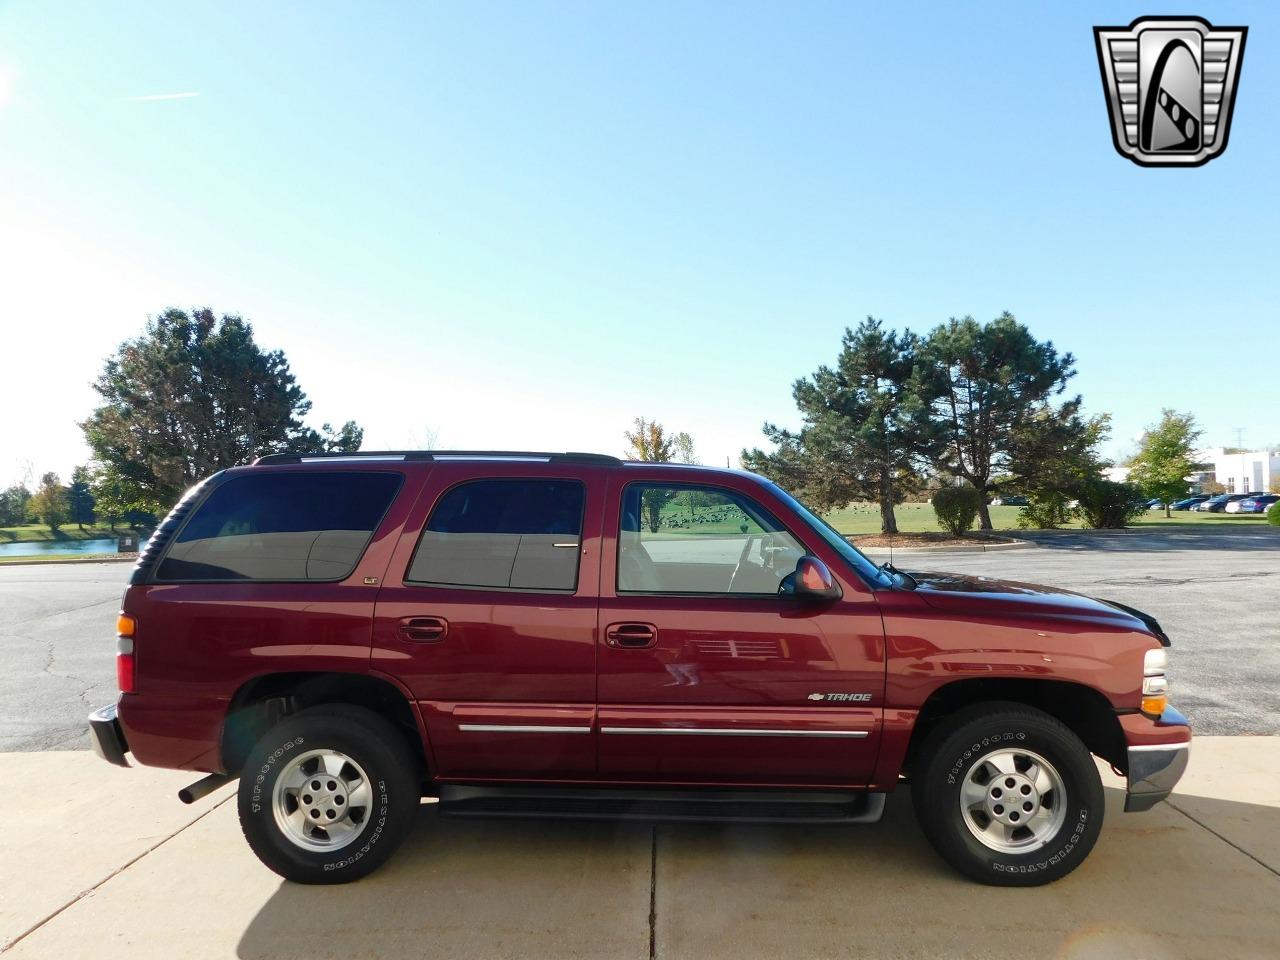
<point x="631" y="636"/>
<point x="424" y="629"/>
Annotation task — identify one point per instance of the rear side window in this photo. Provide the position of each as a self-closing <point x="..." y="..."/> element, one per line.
<point x="503" y="534"/>
<point x="281" y="526"/>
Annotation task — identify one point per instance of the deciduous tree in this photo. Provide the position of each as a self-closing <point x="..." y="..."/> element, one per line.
<point x="1164" y="459"/>
<point x="1056" y="456"/>
<point x="650" y="442"/>
<point x="15" y="504"/>
<point x="50" y="501"/>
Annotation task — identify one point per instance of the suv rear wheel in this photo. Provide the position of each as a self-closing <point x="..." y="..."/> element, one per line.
<point x="1008" y="795"/>
<point x="328" y="794"/>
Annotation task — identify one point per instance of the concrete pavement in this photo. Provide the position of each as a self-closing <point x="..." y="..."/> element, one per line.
<point x="1195" y="878"/>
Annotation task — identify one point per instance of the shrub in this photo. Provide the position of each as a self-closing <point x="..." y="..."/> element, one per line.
<point x="1105" y="505"/>
<point x="1045" y="511"/>
<point x="1273" y="514"/>
<point x="956" y="508"/>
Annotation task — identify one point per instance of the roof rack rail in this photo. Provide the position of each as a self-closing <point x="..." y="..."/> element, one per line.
<point x="412" y="455"/>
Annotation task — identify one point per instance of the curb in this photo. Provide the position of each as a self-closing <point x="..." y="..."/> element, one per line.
<point x="966" y="548"/>
<point x="93" y="558"/>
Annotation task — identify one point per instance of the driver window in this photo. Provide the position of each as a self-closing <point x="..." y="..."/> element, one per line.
<point x="689" y="539"/>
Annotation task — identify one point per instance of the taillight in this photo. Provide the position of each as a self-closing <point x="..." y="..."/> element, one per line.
<point x="126" y="626"/>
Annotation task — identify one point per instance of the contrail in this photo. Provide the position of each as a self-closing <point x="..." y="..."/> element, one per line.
<point x="163" y="96"/>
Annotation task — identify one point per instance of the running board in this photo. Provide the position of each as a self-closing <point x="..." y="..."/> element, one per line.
<point x="737" y="806"/>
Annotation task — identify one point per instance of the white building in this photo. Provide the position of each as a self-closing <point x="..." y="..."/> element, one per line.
<point x="1252" y="472"/>
<point x="1116" y="474"/>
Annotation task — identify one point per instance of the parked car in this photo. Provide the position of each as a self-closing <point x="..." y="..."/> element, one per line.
<point x="1219" y="503"/>
<point x="1189" y="503"/>
<point x="1156" y="504"/>
<point x="1254" y="504"/>
<point x="569" y="635"/>
<point x="1012" y="500"/>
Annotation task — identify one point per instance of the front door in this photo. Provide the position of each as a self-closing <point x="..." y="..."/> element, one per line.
<point x="489" y="618"/>
<point x="706" y="674"/>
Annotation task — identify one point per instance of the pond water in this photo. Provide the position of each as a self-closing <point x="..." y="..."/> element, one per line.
<point x="59" y="546"/>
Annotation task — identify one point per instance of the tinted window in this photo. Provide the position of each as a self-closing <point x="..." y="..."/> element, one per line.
<point x="507" y="534"/>
<point x="281" y="526"/>
<point x="700" y="540"/>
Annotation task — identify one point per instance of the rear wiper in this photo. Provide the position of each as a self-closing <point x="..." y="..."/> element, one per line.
<point x="908" y="581"/>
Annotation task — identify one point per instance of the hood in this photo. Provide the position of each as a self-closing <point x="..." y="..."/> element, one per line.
<point x="960" y="593"/>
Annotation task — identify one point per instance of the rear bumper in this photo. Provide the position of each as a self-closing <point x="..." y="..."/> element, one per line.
<point x="107" y="736"/>
<point x="1158" y="753"/>
<point x="180" y="733"/>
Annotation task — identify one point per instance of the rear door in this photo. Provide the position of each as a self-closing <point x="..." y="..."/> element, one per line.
<point x="706" y="674"/>
<point x="488" y="616"/>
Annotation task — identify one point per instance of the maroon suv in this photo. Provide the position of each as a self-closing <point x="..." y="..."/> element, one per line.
<point x="571" y="635"/>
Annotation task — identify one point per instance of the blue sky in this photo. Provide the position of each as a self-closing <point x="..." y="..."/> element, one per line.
<point x="522" y="225"/>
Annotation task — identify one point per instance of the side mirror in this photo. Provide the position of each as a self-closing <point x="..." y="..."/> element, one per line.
<point x="812" y="580"/>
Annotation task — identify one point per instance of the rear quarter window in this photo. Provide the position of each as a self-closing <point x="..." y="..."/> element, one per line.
<point x="310" y="526"/>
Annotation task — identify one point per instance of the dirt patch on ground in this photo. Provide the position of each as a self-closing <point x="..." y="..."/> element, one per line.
<point x="929" y="540"/>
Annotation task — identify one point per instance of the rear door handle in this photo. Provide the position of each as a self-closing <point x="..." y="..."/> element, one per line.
<point x="424" y="629"/>
<point x="631" y="636"/>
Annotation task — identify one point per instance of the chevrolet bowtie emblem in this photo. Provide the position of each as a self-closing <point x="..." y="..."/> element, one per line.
<point x="1170" y="84"/>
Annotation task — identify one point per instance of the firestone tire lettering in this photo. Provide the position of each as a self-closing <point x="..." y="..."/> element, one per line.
<point x="256" y="804"/>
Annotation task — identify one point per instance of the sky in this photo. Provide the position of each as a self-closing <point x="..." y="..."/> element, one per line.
<point x="522" y="225"/>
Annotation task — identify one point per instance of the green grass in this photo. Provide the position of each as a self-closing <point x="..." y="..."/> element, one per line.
<point x="860" y="518"/>
<point x="863" y="518"/>
<point x="40" y="533"/>
<point x="49" y="557"/>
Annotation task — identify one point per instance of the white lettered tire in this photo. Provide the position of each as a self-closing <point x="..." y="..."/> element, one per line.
<point x="1008" y="795"/>
<point x="328" y="794"/>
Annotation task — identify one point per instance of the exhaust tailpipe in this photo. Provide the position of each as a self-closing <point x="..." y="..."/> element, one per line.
<point x="202" y="788"/>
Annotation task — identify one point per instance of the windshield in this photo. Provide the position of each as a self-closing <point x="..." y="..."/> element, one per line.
<point x="836" y="540"/>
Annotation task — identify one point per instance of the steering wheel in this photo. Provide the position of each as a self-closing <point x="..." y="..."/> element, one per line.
<point x="742" y="559"/>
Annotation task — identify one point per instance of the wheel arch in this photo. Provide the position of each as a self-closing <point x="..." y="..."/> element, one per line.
<point x="1082" y="709"/>
<point x="264" y="700"/>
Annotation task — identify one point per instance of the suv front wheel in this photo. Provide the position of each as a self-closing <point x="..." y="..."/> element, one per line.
<point x="1008" y="795"/>
<point x="328" y="794"/>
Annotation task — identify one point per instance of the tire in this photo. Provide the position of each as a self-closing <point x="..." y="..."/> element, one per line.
<point x="987" y="754"/>
<point x="356" y="829"/>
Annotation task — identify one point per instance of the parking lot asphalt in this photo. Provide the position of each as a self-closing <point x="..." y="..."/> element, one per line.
<point x="1196" y="877"/>
<point x="1217" y="594"/>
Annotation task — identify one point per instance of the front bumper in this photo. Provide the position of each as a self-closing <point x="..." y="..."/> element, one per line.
<point x="1156" y="767"/>
<point x="107" y="736"/>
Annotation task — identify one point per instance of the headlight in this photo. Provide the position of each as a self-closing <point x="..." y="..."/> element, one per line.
<point x="1155" y="685"/>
